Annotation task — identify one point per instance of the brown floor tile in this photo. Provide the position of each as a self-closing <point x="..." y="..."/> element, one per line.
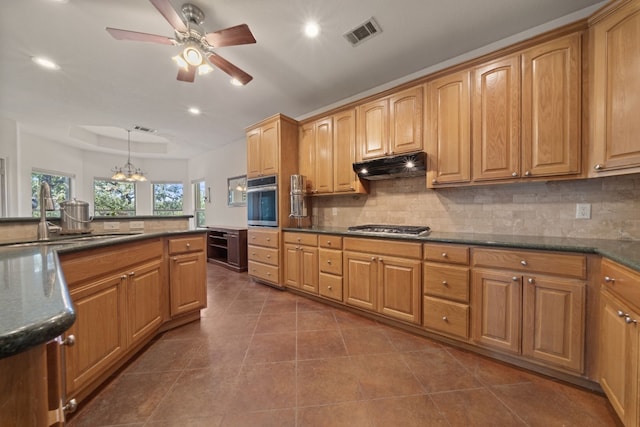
<point x="316" y="320"/>
<point x="264" y="386"/>
<point x="383" y="375"/>
<point x="234" y="324"/>
<point x="272" y="348"/>
<point x="541" y="404"/>
<point x="275" y="418"/>
<point x="369" y="340"/>
<point x="405" y="341"/>
<point x="279" y="305"/>
<point x="408" y="411"/>
<point x="245" y="306"/>
<point x="348" y="320"/>
<point x="277" y="322"/>
<point x="326" y="381"/>
<point x="213" y="421"/>
<point x="165" y="355"/>
<point x="305" y="304"/>
<point x="320" y="345"/>
<point x="438" y="371"/>
<point x="353" y="414"/>
<point x="128" y="399"/>
<point x="475" y="408"/>
<point x="220" y="350"/>
<point x="201" y="392"/>
<point x="488" y="371"/>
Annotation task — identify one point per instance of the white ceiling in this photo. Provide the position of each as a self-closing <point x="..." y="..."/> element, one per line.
<point x="106" y="84"/>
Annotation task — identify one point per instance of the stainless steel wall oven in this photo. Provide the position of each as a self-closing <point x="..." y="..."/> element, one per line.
<point x="262" y="201"/>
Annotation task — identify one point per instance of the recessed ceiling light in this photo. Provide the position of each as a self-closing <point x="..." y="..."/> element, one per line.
<point x="194" y="110"/>
<point x="45" y="63"/>
<point x="236" y="82"/>
<point x="311" y="29"/>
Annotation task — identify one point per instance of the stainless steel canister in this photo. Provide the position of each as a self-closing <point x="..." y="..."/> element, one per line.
<point x="74" y="217"/>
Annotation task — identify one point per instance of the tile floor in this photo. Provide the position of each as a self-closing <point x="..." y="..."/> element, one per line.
<point x="263" y="357"/>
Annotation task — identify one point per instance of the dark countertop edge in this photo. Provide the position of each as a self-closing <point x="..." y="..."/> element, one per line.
<point x="99" y="218"/>
<point x="48" y="328"/>
<point x="625" y="252"/>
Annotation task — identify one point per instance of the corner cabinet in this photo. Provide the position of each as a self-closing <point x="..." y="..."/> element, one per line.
<point x="187" y="274"/>
<point x="383" y="277"/>
<point x="391" y="125"/>
<point x="615" y="83"/>
<point x="272" y="146"/>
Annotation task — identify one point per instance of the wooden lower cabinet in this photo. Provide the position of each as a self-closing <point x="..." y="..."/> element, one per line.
<point x="383" y="283"/>
<point x="188" y="283"/>
<point x="263" y="252"/>
<point x="301" y="267"/>
<point x="539" y="316"/>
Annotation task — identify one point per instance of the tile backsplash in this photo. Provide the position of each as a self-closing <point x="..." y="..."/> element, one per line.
<point x="537" y="208"/>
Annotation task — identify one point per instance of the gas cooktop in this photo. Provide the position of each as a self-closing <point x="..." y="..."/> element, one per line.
<point x="412" y="230"/>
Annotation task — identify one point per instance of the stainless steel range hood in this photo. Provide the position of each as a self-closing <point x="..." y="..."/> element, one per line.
<point x="402" y="166"/>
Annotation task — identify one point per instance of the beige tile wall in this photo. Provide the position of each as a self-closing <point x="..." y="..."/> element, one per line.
<point x="546" y="209"/>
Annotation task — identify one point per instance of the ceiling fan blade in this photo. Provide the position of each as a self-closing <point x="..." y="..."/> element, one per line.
<point x="187" y="75"/>
<point x="138" y="37"/>
<point x="240" y="34"/>
<point x="230" y="69"/>
<point x="170" y="14"/>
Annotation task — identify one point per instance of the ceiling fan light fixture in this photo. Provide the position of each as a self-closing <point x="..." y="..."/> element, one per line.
<point x="178" y="59"/>
<point x="192" y="55"/>
<point x="236" y="82"/>
<point x="204" y="68"/>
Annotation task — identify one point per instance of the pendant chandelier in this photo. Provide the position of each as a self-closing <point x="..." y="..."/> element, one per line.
<point x="128" y="172"/>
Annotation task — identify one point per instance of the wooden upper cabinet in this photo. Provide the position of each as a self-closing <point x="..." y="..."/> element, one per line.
<point x="307" y="154"/>
<point x="391" y="125"/>
<point x="344" y="151"/>
<point x="615" y="85"/>
<point x="496" y="120"/>
<point x="263" y="149"/>
<point x="551" y="85"/>
<point x="324" y="156"/>
<point x="448" y="142"/>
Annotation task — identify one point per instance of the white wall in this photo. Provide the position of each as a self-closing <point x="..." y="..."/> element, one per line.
<point x="9" y="152"/>
<point x="215" y="167"/>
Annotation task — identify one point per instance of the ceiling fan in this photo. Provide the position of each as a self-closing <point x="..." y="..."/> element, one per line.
<point x="198" y="53"/>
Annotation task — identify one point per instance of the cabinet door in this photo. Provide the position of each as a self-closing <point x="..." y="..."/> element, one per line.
<point x="399" y="288"/>
<point x="496" y="309"/>
<point x="309" y="267"/>
<point x="496" y="120"/>
<point x="307" y="154"/>
<point x="188" y="283"/>
<point x="99" y="329"/>
<point x="360" y="280"/>
<point x="553" y="323"/>
<point x="618" y="353"/>
<point x="144" y="301"/>
<point x="292" y="265"/>
<point x="324" y="156"/>
<point x="233" y="249"/>
<point x="373" y="129"/>
<point x="269" y="137"/>
<point x="551" y="85"/>
<point x="405" y="121"/>
<point x="449" y="130"/>
<point x="615" y="106"/>
<point x="344" y="151"/>
<point x="253" y="153"/>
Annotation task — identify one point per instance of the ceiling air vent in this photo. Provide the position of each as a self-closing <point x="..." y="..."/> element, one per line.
<point x="144" y="129"/>
<point x="363" y="32"/>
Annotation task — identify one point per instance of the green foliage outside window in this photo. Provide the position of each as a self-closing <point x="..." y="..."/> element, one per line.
<point x="199" y="201"/>
<point x="167" y="199"/>
<point x="113" y="198"/>
<point x="60" y="191"/>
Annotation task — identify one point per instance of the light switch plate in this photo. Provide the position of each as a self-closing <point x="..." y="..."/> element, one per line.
<point x="111" y="225"/>
<point x="583" y="211"/>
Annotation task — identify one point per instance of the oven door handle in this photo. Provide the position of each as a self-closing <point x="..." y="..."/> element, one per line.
<point x="265" y="188"/>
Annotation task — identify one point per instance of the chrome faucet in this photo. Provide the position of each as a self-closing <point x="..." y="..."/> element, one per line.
<point x="46" y="204"/>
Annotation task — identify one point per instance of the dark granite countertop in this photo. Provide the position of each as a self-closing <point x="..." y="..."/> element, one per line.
<point x="35" y="306"/>
<point x="624" y="252"/>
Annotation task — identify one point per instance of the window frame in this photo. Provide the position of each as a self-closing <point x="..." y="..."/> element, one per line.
<point x="174" y="212"/>
<point x="35" y="191"/>
<point x="199" y="195"/>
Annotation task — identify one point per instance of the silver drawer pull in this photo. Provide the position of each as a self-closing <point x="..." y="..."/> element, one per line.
<point x="69" y="341"/>
<point x="445" y="318"/>
<point x="329" y="261"/>
<point x="608" y="279"/>
<point x="444" y="254"/>
<point x="329" y="287"/>
<point x="621" y="313"/>
<point x="630" y="320"/>
<point x="523" y="262"/>
<point x="531" y="281"/>
<point x="444" y="283"/>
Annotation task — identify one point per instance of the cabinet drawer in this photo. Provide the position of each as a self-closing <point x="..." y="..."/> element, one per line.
<point x="263" y="255"/>
<point x="384" y="247"/>
<point x="554" y="263"/>
<point x="330" y="286"/>
<point x="331" y="261"/>
<point x="454" y="254"/>
<point x="448" y="317"/>
<point x="330" y="242"/>
<point x="186" y="244"/>
<point x="446" y="281"/>
<point x="307" y="239"/>
<point x="264" y="271"/>
<point x="266" y="238"/>
<point x="621" y="281"/>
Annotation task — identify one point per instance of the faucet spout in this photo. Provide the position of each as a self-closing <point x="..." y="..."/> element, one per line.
<point x="46" y="204"/>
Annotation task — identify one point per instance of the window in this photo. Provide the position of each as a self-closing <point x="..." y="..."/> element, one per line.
<point x="167" y="199"/>
<point x="60" y="186"/>
<point x="112" y="198"/>
<point x="199" y="199"/>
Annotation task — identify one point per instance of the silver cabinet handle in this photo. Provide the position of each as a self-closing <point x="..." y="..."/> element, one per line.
<point x="531" y="280"/>
<point x="514" y="174"/>
<point x="444" y="283"/>
<point x="527" y="173"/>
<point x="514" y="278"/>
<point x="445" y="318"/>
<point x="328" y="242"/>
<point x="329" y="261"/>
<point x="329" y="287"/>
<point x="373" y="258"/>
<point x="598" y="167"/>
<point x="629" y="320"/>
<point x="524" y="263"/>
<point x="444" y="254"/>
<point x="188" y="245"/>
<point x="621" y="313"/>
<point x="124" y="276"/>
<point x="71" y="406"/>
<point x="608" y="279"/>
<point x="133" y="273"/>
<point x="69" y="341"/>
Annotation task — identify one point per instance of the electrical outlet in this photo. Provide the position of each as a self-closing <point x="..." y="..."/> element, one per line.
<point x="583" y="211"/>
<point x="108" y="225"/>
<point x="334" y="211"/>
<point x="136" y="224"/>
